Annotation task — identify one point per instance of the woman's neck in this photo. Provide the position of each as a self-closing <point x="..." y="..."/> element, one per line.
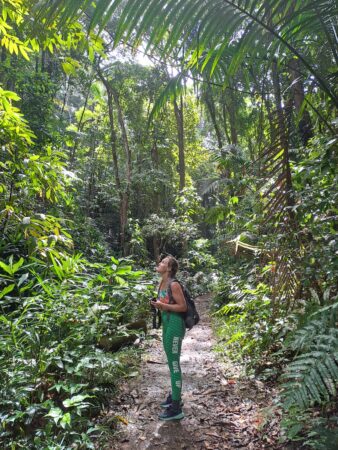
<point x="165" y="279"/>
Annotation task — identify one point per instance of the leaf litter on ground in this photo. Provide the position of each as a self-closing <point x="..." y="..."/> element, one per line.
<point x="223" y="410"/>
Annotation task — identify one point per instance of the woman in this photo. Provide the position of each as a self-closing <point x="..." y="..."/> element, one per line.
<point x="173" y="333"/>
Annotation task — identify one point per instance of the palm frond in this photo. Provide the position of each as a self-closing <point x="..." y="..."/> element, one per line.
<point x="171" y="91"/>
<point x="278" y="200"/>
<point x="274" y="164"/>
<point x="211" y="186"/>
<point x="210" y="28"/>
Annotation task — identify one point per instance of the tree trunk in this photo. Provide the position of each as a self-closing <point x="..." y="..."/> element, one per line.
<point x="91" y="180"/>
<point x="156" y="199"/>
<point x="126" y="192"/>
<point x="113" y="143"/>
<point x="304" y="125"/>
<point x="73" y="150"/>
<point x="43" y="60"/>
<point x="283" y="138"/>
<point x="272" y="125"/>
<point x="209" y="101"/>
<point x="225" y="122"/>
<point x="231" y="107"/>
<point x="180" y="134"/>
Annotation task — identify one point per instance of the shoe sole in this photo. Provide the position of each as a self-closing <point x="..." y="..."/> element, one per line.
<point x="177" y="417"/>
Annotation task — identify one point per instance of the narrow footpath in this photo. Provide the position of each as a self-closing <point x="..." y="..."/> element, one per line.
<point x="222" y="410"/>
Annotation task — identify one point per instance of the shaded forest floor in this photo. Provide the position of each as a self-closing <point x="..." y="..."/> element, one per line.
<point x="223" y="410"/>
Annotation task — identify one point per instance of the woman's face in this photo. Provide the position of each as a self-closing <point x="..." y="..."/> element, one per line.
<point x="162" y="266"/>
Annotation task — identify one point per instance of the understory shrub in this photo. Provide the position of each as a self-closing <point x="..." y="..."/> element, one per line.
<point x="242" y="311"/>
<point x="299" y="350"/>
<point x="200" y="272"/>
<point x="55" y="377"/>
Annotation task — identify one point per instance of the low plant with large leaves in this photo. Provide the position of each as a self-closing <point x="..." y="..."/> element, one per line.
<point x="55" y="377"/>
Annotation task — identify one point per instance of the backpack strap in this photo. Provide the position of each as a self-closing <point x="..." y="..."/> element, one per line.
<point x="170" y="293"/>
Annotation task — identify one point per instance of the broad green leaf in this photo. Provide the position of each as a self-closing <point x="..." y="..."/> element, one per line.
<point x="123" y="270"/>
<point x="68" y="68"/>
<point x="17" y="265"/>
<point x="23" y="52"/>
<point x="6" y="268"/>
<point x="7" y="290"/>
<point x="66" y="420"/>
<point x="75" y="401"/>
<point x="55" y="413"/>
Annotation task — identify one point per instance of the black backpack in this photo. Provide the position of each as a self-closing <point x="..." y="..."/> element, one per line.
<point x="190" y="316"/>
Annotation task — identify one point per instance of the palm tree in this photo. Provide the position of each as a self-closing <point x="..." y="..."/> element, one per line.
<point x="208" y="30"/>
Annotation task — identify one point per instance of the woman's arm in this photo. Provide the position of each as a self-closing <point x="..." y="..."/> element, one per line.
<point x="178" y="296"/>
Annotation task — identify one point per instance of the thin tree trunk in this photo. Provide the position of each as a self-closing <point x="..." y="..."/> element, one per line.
<point x="209" y="101"/>
<point x="260" y="86"/>
<point x="113" y="143"/>
<point x="231" y="107"/>
<point x="80" y="123"/>
<point x="65" y="97"/>
<point x="126" y="191"/>
<point x="272" y="125"/>
<point x="156" y="196"/>
<point x="43" y="60"/>
<point x="180" y="134"/>
<point x="284" y="142"/>
<point x="225" y="122"/>
<point x="156" y="162"/>
<point x="91" y="183"/>
<point x="3" y="54"/>
<point x="304" y="125"/>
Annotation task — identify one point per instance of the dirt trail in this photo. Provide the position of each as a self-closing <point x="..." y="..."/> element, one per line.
<point x="221" y="410"/>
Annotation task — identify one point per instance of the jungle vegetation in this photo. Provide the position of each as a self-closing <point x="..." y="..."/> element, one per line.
<point x="205" y="129"/>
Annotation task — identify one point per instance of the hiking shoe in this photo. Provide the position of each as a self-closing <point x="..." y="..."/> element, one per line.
<point x="168" y="402"/>
<point x="173" y="412"/>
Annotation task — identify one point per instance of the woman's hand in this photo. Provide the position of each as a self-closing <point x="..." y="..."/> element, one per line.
<point x="178" y="296"/>
<point x="159" y="305"/>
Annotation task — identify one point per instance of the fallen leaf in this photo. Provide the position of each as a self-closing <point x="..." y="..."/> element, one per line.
<point x="213" y="435"/>
<point x="122" y="419"/>
<point x="133" y="374"/>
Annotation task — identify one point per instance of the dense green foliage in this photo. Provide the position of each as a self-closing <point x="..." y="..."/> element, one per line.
<point x="215" y="141"/>
<point x="54" y="373"/>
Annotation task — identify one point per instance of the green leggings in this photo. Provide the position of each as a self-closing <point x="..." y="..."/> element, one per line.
<point x="173" y="334"/>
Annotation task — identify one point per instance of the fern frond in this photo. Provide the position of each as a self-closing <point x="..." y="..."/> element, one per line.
<point x="333" y="367"/>
<point x="230" y="308"/>
<point x="313" y="376"/>
<point x="322" y="369"/>
<point x="312" y="333"/>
